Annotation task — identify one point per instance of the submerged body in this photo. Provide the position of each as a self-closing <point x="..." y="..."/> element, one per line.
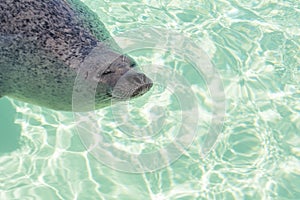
<point x="43" y="46"/>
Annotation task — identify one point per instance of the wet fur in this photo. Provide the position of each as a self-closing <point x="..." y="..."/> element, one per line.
<point x="43" y="43"/>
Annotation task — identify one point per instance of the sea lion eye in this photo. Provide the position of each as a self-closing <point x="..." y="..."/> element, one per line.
<point x="132" y="65"/>
<point x="108" y="71"/>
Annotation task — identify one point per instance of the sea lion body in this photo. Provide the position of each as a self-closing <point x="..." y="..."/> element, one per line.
<point x="43" y="44"/>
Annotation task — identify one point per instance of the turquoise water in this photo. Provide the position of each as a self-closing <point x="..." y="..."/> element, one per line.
<point x="253" y="45"/>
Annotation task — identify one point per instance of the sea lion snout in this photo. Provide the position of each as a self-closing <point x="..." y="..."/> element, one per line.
<point x="140" y="82"/>
<point x="121" y="79"/>
<point x="132" y="84"/>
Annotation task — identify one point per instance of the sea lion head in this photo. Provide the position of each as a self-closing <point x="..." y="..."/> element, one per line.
<point x="114" y="75"/>
<point x="122" y="81"/>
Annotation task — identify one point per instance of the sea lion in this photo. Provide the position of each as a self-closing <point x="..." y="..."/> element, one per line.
<point x="44" y="44"/>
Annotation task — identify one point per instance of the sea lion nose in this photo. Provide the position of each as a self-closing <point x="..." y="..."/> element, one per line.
<point x="143" y="84"/>
<point x="132" y="84"/>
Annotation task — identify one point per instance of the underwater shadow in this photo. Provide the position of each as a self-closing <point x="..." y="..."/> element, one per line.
<point x="9" y="131"/>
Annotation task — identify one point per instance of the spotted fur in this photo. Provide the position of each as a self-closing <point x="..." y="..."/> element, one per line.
<point x="42" y="45"/>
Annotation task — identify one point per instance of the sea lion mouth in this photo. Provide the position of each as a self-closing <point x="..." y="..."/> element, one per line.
<point x="135" y="93"/>
<point x="141" y="90"/>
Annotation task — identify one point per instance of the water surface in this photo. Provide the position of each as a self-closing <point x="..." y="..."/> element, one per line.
<point x="255" y="48"/>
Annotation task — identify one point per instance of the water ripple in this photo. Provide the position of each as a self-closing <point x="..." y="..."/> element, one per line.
<point x="255" y="47"/>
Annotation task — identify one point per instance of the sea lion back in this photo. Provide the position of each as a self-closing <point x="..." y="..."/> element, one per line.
<point x="53" y="26"/>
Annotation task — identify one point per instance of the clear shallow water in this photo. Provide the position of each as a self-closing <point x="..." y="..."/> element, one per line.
<point x="255" y="48"/>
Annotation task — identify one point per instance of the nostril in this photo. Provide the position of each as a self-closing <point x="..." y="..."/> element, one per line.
<point x="141" y="90"/>
<point x="149" y="85"/>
